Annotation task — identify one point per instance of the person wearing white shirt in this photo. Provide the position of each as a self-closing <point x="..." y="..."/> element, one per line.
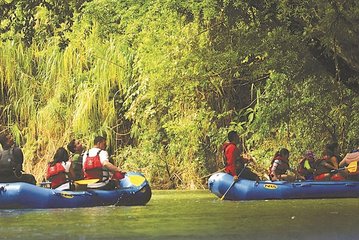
<point x="96" y="165"/>
<point x="60" y="172"/>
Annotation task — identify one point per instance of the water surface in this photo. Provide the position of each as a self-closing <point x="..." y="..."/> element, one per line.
<point x="190" y="215"/>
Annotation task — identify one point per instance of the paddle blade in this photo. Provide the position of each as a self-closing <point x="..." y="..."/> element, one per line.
<point x="224" y="195"/>
<point x="352" y="167"/>
<point x="87" y="181"/>
<point x="136" y="180"/>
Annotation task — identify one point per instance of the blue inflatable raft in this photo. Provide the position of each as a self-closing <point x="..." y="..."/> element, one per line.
<point x="251" y="190"/>
<point x="134" y="190"/>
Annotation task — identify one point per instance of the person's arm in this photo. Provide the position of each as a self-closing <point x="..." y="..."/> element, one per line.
<point x="112" y="168"/>
<point x="334" y="162"/>
<point x="273" y="174"/>
<point x="328" y="165"/>
<point x="343" y="162"/>
<point x="297" y="174"/>
<point x="18" y="158"/>
<point x="107" y="164"/>
<point x="247" y="158"/>
<point x="72" y="171"/>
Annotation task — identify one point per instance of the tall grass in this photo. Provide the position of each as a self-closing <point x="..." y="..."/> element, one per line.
<point x="53" y="96"/>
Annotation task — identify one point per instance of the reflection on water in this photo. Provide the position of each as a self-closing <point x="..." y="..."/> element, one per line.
<point x="190" y="215"/>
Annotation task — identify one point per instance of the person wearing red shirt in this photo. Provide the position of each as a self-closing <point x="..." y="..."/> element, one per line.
<point x="235" y="162"/>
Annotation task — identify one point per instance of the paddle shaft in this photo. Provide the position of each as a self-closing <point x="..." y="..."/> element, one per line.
<point x="87" y="181"/>
<point x="352" y="167"/>
<point x="244" y="167"/>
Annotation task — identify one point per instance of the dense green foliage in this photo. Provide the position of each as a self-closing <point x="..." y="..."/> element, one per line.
<point x="166" y="80"/>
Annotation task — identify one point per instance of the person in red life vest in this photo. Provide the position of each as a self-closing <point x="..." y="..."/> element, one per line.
<point x="97" y="165"/>
<point x="279" y="168"/>
<point x="234" y="161"/>
<point x="11" y="161"/>
<point x="349" y="158"/>
<point x="326" y="165"/>
<point x="60" y="171"/>
<point x="77" y="150"/>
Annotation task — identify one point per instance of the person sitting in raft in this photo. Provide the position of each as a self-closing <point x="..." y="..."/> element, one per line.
<point x="279" y="168"/>
<point x="235" y="161"/>
<point x="60" y="171"/>
<point x="349" y="158"/>
<point x="306" y="166"/>
<point x="11" y="161"/>
<point x="96" y="165"/>
<point x="326" y="166"/>
<point x="77" y="150"/>
<point x="333" y="149"/>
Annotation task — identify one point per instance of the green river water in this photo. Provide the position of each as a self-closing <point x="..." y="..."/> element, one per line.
<point x="190" y="215"/>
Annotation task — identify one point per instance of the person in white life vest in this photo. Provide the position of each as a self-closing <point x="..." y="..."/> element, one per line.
<point x="60" y="171"/>
<point x="97" y="165"/>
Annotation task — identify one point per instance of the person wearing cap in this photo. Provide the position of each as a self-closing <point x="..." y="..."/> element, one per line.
<point x="306" y="166"/>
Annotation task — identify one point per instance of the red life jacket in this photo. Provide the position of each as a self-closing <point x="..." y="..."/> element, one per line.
<point x="56" y="174"/>
<point x="93" y="167"/>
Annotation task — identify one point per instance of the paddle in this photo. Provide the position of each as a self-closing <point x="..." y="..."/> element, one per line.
<point x="87" y="181"/>
<point x="352" y="167"/>
<point x="244" y="167"/>
<point x="134" y="179"/>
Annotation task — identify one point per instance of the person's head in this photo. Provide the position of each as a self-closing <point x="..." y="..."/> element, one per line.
<point x="233" y="137"/>
<point x="61" y="155"/>
<point x="332" y="147"/>
<point x="6" y="140"/>
<point x="328" y="153"/>
<point x="100" y="142"/>
<point x="75" y="146"/>
<point x="284" y="153"/>
<point x="309" y="155"/>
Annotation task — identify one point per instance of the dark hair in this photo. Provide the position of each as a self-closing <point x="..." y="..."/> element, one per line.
<point x="329" y="152"/>
<point x="61" y="155"/>
<point x="284" y="152"/>
<point x="99" y="139"/>
<point x="232" y="135"/>
<point x="281" y="153"/>
<point x="332" y="146"/>
<point x="71" y="146"/>
<point x="3" y="139"/>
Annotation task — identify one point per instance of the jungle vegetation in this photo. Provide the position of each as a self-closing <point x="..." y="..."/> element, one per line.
<point x="165" y="80"/>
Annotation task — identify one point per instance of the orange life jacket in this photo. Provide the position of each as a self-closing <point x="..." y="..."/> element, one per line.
<point x="56" y="174"/>
<point x="93" y="168"/>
